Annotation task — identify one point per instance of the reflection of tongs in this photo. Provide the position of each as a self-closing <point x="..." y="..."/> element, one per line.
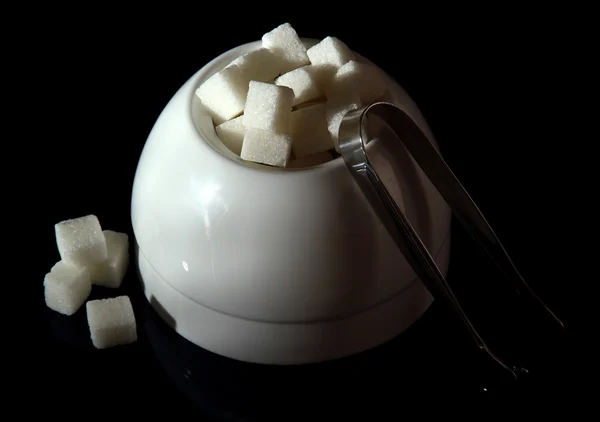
<point x="352" y="148"/>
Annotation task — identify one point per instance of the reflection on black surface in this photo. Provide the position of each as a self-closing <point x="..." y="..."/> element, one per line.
<point x="399" y="376"/>
<point x="434" y="363"/>
<point x="71" y="329"/>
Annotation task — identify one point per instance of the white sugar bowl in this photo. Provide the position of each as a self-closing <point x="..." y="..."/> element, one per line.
<point x="275" y="266"/>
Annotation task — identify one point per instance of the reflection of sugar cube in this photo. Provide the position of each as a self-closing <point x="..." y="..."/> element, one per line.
<point x="66" y="287"/>
<point x="111" y="322"/>
<point x="336" y="109"/>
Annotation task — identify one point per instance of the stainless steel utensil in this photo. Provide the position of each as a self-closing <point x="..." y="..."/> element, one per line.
<point x="352" y="147"/>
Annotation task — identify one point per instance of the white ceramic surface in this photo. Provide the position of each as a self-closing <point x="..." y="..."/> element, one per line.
<point x="228" y="245"/>
<point x="280" y="343"/>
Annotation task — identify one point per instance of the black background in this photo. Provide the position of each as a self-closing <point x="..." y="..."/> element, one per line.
<point x="486" y="80"/>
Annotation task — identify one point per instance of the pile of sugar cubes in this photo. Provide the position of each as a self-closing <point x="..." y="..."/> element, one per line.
<point x="282" y="104"/>
<point x="89" y="256"/>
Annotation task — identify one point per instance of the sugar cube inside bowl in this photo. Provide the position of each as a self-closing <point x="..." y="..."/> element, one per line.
<point x="310" y="134"/>
<point x="327" y="57"/>
<point x="259" y="65"/>
<point x="224" y="94"/>
<point x="285" y="43"/>
<point x="231" y="133"/>
<point x="268" y="107"/>
<point x="304" y="84"/>
<point x="363" y="79"/>
<point x="256" y="101"/>
<point x="266" y="147"/>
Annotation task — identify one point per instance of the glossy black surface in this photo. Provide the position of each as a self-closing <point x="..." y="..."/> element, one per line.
<point x="435" y="361"/>
<point x="108" y="91"/>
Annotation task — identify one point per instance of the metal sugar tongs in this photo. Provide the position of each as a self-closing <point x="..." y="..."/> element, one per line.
<point x="353" y="151"/>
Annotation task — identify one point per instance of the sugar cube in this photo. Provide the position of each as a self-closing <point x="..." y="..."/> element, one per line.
<point x="302" y="82"/>
<point x="311" y="160"/>
<point x="362" y="78"/>
<point x="310" y="133"/>
<point x="336" y="109"/>
<point x="111" y="322"/>
<point x="231" y="133"/>
<point x="284" y="42"/>
<point x="224" y="94"/>
<point x="66" y="287"/>
<point x="111" y="272"/>
<point x="80" y="240"/>
<point x="268" y="107"/>
<point x="327" y="57"/>
<point x="266" y="147"/>
<point x="258" y="65"/>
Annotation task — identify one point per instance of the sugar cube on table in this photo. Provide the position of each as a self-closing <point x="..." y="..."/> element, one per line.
<point x="303" y="83"/>
<point x="327" y="57"/>
<point x="111" y="272"/>
<point x="362" y="78"/>
<point x="284" y="42"/>
<point x="66" y="287"/>
<point x="231" y="133"/>
<point x="80" y="240"/>
<point x="224" y="94"/>
<point x="268" y="107"/>
<point x="310" y="133"/>
<point x="111" y="322"/>
<point x="266" y="147"/>
<point x="336" y="109"/>
<point x="259" y="65"/>
<point x="311" y="160"/>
